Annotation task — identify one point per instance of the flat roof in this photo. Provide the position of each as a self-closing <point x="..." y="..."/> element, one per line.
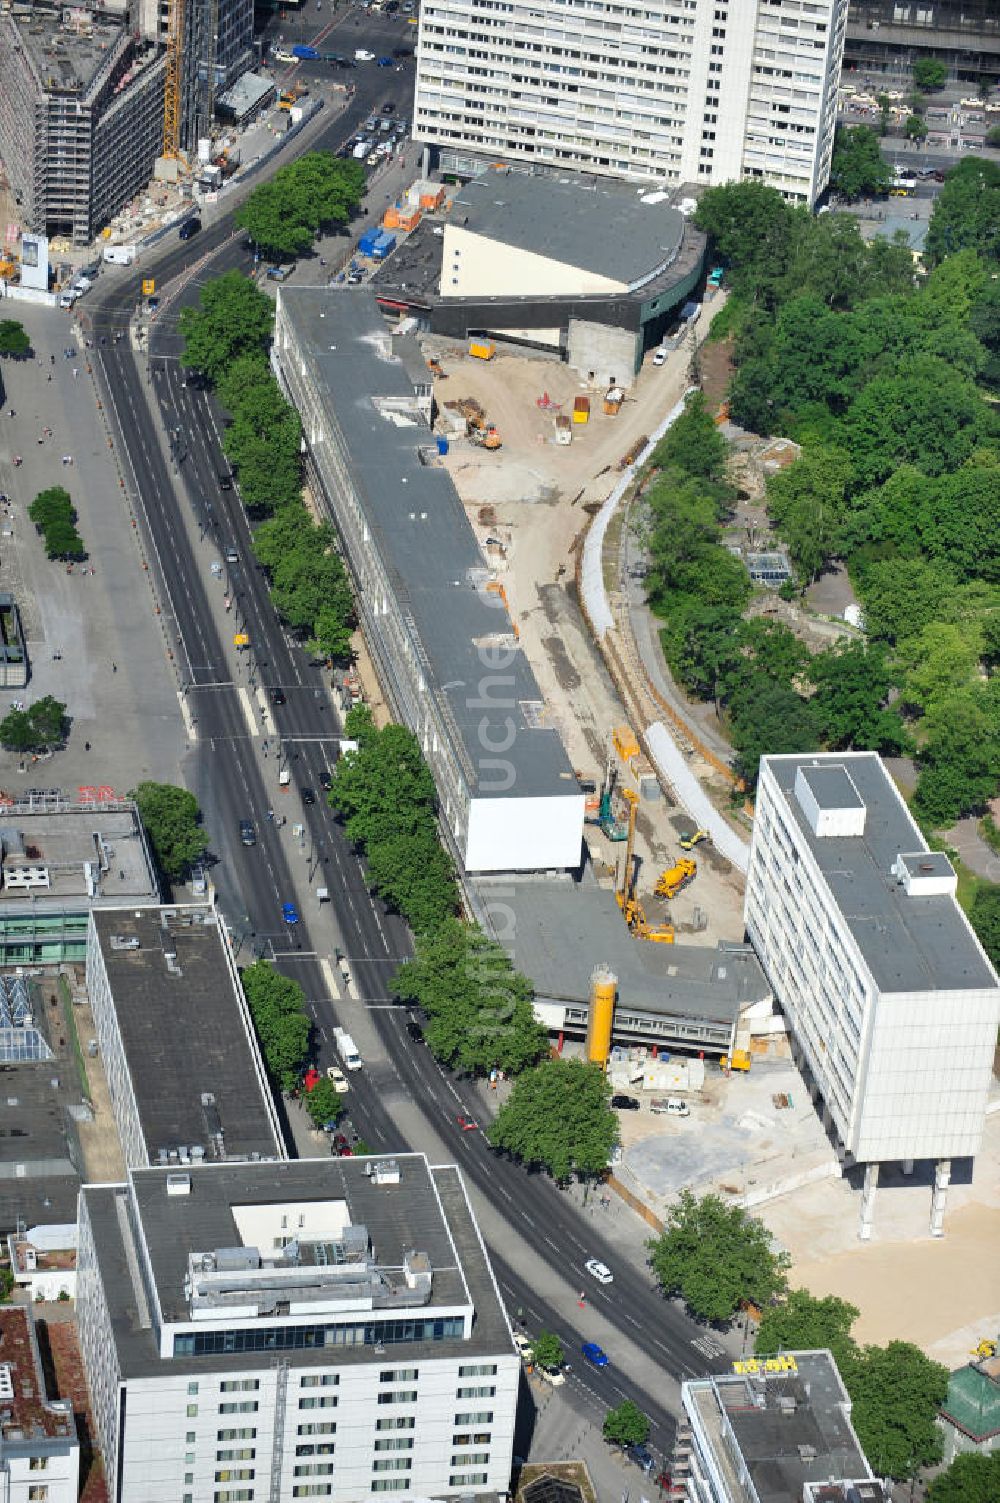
<point x="624" y="233"/>
<point x="40" y="1154"/>
<point x="69" y="839"/>
<point x="917" y="943"/>
<point x="427" y="1211"/>
<point x="439" y="576"/>
<point x="560" y="930"/>
<point x="247" y="91"/>
<point x="66" y="57"/>
<point x="27" y="1414"/>
<point x="183" y="1031"/>
<point x="832" y="788"/>
<point x="791" y="1428"/>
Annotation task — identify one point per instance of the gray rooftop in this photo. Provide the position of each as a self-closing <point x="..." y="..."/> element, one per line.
<point x="561" y="929"/>
<point x="912" y="943"/>
<point x="832" y="788"/>
<point x="183" y="1032"/>
<point x="246" y="92"/>
<point x="67" y="58"/>
<point x="427" y="544"/>
<point x="599" y="226"/>
<point x="426" y="1211"/>
<point x="68" y="837"/>
<point x="791" y="1429"/>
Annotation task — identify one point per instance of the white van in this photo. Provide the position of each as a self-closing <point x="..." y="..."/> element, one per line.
<point x="68" y="298"/>
<point x="119" y="255"/>
<point x="670" y="1106"/>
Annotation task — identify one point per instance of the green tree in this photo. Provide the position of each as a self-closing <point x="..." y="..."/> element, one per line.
<point x="277" y="1007"/>
<point x="969" y="1479"/>
<point x="54" y="516"/>
<point x="547" y="1351"/>
<point x="772" y="721"/>
<point x="984" y="916"/>
<point x="802" y="1323"/>
<point x="993" y="137"/>
<point x="716" y="1258"/>
<point x="751" y="228"/>
<point x="43" y="726"/>
<point x="926" y="414"/>
<point x="323" y="1103"/>
<point x="283" y="216"/>
<point x="702" y="645"/>
<point x="626" y="1425"/>
<point x="884" y="113"/>
<point x="939" y="662"/>
<point x="858" y="168"/>
<point x="965" y="213"/>
<point x="414" y="874"/>
<point x="172" y="821"/>
<point x="896" y="1392"/>
<point x="807" y="504"/>
<point x="960" y="758"/>
<point x="384" y="787"/>
<point x="558" y="1118"/>
<point x="902" y="595"/>
<point x="479" y="1009"/>
<point x="17" y="734"/>
<point x="13" y="339"/>
<point x="7" y="1283"/>
<point x="693" y="443"/>
<point x="233" y="319"/>
<point x="930" y="73"/>
<point x="915" y="128"/>
<point x="853" y="682"/>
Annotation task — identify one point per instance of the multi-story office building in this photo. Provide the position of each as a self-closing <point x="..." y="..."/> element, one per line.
<point x="184" y="1072"/>
<point x="889" y="36"/>
<point x="81" y="115"/>
<point x="435" y="618"/>
<point x="680" y="91"/>
<point x="39" y="1449"/>
<point x="776" y="1432"/>
<point x="258" y="1333"/>
<point x="888" y="993"/>
<point x="217" y="47"/>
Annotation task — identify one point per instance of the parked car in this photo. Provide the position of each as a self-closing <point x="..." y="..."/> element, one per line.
<point x="624" y="1103"/>
<point x="363" y="56"/>
<point x="669" y="1106"/>
<point x="337" y="1079"/>
<point x="599" y="1271"/>
<point x="642" y="1457"/>
<point x="385" y="62"/>
<point x="594" y="1354"/>
<point x="660" y="356"/>
<point x="232" y="557"/>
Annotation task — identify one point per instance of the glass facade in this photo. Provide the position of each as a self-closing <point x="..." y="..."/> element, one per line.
<point x="43" y="938"/>
<point x="297" y="1338"/>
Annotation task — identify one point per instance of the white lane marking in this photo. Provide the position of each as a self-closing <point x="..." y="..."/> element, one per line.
<point x="330" y="977"/>
<point x="244" y="697"/>
<point x="192" y="734"/>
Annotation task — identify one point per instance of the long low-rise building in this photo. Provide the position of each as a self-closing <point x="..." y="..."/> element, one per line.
<point x="434" y="617"/>
<point x="323" y="1329"/>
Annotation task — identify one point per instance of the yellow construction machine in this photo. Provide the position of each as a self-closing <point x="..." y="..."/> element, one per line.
<point x="632" y="909"/>
<point x="683" y="871"/>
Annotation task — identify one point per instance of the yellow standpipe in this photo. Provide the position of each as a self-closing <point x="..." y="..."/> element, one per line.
<point x="603" y="985"/>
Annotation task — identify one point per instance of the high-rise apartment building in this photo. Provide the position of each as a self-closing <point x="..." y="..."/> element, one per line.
<point x="891" y="1002"/>
<point x="329" y="1328"/>
<point x="678" y="91"/>
<point x="889" y="36"/>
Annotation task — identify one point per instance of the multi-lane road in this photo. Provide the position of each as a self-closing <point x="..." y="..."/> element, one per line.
<point x="188" y="519"/>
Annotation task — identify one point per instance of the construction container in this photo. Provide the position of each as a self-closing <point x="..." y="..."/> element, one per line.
<point x="603" y="984"/>
<point x="613" y="399"/>
<point x="564" y="429"/>
<point x="581" y="409"/>
<point x="429" y="195"/>
<point x="482" y="349"/>
<point x="442" y="444"/>
<point x="384" y="243"/>
<point x="625" y="742"/>
<point x="366" y="244"/>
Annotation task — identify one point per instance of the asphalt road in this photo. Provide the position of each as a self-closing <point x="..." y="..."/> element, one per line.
<point x="228" y="776"/>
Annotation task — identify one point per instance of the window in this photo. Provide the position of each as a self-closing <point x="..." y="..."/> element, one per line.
<point x="319" y="1380"/>
<point x="402" y="1396"/>
<point x="474" y="1458"/>
<point x="189" y="1458"/>
<point x="234" y="1474"/>
<point x="244" y="1406"/>
<point x="475" y="1417"/>
<point x="239" y="1385"/>
<point x="314" y="1469"/>
<point x="467" y="1479"/>
<point x="312" y="1490"/>
<point x="192" y="1411"/>
<point x="393" y="1464"/>
<point x="321" y="1448"/>
<point x="189" y="1438"/>
<point x="401" y="1422"/>
<point x="389" y="1484"/>
<point x="322" y="1401"/>
<point x="242" y="1453"/>
<point x="318" y="1427"/>
<point x="234" y="1495"/>
<point x="189" y="1478"/>
<point x="222" y="1435"/>
<point x="477" y="1370"/>
<point x="39" y="1490"/>
<point x="395" y="1443"/>
<point x="192" y="1389"/>
<point x="469" y="1438"/>
<point x="38" y="1463"/>
<point x="403" y="1375"/>
<point x="474" y="1393"/>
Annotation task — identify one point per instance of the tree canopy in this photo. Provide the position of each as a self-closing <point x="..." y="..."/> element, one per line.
<point x="547" y="1351"/>
<point x="558" y="1118"/>
<point x="43" y="726"/>
<point x="233" y="319"/>
<point x="626" y="1425"/>
<point x="54" y="516"/>
<point x="716" y="1257"/>
<point x="896" y="1392"/>
<point x="13" y="338"/>
<point x="802" y="1323"/>
<point x="478" y="1008"/>
<point x="324" y="1103"/>
<point x="277" y="1007"/>
<point x="172" y="820"/>
<point x="858" y="168"/>
<point x="970" y="1479"/>
<point x="310" y="586"/>
<point x="317" y="191"/>
<point x="984" y="915"/>
<point x="966" y="213"/>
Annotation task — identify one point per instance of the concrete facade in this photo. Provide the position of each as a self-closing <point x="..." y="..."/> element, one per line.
<point x="705" y="92"/>
<point x="323" y="1329"/>
<point x="888" y="993"/>
<point x="890" y="36"/>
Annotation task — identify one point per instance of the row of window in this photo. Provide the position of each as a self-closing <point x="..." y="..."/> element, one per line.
<point x="299" y="1338"/>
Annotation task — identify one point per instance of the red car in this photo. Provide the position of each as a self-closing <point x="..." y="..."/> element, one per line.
<point x="467" y="1124"/>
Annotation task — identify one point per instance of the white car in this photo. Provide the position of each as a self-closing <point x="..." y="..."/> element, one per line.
<point x="522" y="1343"/>
<point x="282" y="55"/>
<point x="599" y="1271"/>
<point x="337" y="1079"/>
<point x="660" y="356"/>
<point x="361" y="56"/>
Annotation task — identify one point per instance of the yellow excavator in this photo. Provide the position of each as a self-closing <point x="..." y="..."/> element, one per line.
<point x="631" y="908"/>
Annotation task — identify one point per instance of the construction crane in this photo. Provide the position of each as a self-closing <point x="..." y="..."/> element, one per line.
<point x="213" y="38"/>
<point x="632" y="910"/>
<point x="172" y="83"/>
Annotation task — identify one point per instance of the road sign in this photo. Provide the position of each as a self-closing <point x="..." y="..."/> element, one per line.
<point x="241" y="639"/>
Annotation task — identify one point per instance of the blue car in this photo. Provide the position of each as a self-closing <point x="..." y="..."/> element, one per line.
<point x="289" y="913"/>
<point x="385" y="62"/>
<point x="595" y="1355"/>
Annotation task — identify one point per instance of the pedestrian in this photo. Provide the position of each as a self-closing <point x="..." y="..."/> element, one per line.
<point x="114" y="667"/>
<point x="49" y="376"/>
<point x="86" y="746"/>
<point x="75" y="373"/>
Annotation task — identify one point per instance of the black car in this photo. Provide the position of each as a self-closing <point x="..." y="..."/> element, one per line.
<point x="326" y="781"/>
<point x="248" y="835"/>
<point x="225" y="482"/>
<point x="388" y="107"/>
<point x="188" y="228"/>
<point x="624" y="1103"/>
<point x="415" y="1031"/>
<point x="277" y="696"/>
<point x="308" y="797"/>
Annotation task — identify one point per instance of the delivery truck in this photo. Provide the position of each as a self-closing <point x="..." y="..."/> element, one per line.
<point x="347" y="1049"/>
